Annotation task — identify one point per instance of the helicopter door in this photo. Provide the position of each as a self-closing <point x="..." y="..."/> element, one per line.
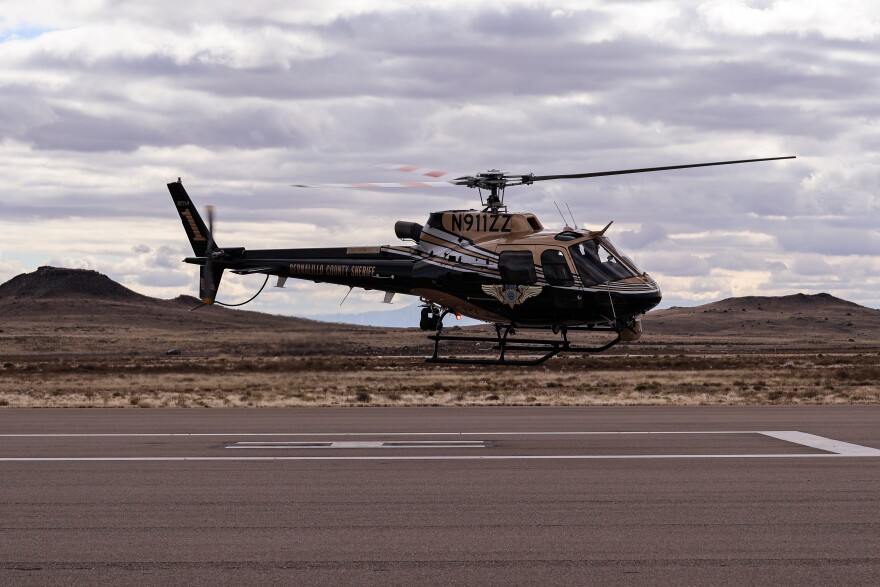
<point x="555" y="266"/>
<point x="517" y="267"/>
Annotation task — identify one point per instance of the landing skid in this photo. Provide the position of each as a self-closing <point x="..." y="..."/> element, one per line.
<point x="549" y="347"/>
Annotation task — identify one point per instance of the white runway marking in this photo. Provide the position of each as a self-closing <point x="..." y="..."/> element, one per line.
<point x="368" y="444"/>
<point x="831" y="448"/>
<point x="310" y="434"/>
<point x="429" y="458"/>
<point x="820" y="442"/>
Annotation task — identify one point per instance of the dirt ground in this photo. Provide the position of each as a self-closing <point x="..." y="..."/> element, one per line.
<point x="689" y="377"/>
<point x="85" y="353"/>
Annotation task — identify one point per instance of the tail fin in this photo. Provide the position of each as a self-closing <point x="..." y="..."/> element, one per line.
<point x="202" y="242"/>
<point x="196" y="230"/>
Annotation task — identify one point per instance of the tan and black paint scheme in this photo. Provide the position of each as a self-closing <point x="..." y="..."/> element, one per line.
<point x="458" y="262"/>
<point x="490" y="265"/>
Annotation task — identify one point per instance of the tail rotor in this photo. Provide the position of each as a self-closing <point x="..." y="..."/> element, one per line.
<point x="209" y="210"/>
<point x="212" y="260"/>
<point x="211" y="272"/>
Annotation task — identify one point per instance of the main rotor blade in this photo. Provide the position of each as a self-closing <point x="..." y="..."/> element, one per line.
<point x="427" y="171"/>
<point x="404" y="184"/>
<point x="647" y="169"/>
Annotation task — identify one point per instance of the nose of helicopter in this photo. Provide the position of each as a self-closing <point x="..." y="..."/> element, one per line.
<point x="645" y="299"/>
<point x="649" y="300"/>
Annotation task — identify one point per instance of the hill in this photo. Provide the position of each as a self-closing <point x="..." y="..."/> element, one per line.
<point x="66" y="312"/>
<point x="61" y="312"/>
<point x="819" y="317"/>
<point x="58" y="283"/>
<point x="91" y="298"/>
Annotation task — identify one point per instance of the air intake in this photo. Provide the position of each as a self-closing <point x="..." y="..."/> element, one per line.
<point x="408" y="230"/>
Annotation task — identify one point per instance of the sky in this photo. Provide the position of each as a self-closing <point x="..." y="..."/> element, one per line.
<point x="104" y="102"/>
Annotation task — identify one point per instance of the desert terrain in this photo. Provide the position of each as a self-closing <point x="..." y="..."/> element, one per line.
<point x="76" y="338"/>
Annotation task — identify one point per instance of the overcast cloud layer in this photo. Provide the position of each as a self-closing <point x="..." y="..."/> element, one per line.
<point x="103" y="103"/>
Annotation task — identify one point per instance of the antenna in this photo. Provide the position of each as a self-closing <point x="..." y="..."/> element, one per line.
<point x="572" y="216"/>
<point x="564" y="221"/>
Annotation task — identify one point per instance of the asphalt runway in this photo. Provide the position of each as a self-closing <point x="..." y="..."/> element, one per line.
<point x="488" y="496"/>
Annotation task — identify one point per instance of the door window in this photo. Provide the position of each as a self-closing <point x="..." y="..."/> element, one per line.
<point x="517" y="267"/>
<point x="556" y="268"/>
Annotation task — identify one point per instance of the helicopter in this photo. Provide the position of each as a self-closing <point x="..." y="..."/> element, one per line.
<point x="499" y="267"/>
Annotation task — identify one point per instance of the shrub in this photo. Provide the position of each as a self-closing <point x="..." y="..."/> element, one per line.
<point x="363" y="397"/>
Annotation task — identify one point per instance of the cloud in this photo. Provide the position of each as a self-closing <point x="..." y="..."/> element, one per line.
<point x="101" y="106"/>
<point x="650" y="234"/>
<point x="9" y="268"/>
<point x="847" y="19"/>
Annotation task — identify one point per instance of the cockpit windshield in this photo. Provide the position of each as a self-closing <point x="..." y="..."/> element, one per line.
<point x="627" y="260"/>
<point x="599" y="262"/>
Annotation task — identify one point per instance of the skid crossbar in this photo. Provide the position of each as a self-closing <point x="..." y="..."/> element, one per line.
<point x="549" y="347"/>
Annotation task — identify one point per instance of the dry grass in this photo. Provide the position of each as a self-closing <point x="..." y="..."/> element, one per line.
<point x="353" y="381"/>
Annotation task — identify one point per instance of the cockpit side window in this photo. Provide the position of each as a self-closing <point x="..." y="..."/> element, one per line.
<point x="555" y="267"/>
<point x="596" y="264"/>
